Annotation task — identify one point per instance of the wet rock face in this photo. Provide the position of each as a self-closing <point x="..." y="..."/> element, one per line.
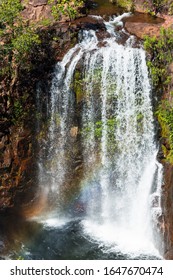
<point x="16" y="162"/>
<point x="167" y="206"/>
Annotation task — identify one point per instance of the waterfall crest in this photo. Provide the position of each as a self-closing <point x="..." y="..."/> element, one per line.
<point x="121" y="176"/>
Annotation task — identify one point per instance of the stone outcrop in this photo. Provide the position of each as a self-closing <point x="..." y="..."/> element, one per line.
<point x="142" y="29"/>
<point x="37" y="10"/>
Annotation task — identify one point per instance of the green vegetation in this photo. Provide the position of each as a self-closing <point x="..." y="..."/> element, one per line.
<point x="23" y="43"/>
<point x="110" y="126"/>
<point x="19" y="109"/>
<point x="66" y="8"/>
<point x="165" y="118"/>
<point x="78" y="86"/>
<point x="97" y="129"/>
<point x="83" y="79"/>
<point x="9" y="11"/>
<point x="161" y="52"/>
<point x="17" y="38"/>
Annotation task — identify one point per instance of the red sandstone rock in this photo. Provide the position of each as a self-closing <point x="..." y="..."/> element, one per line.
<point x="36" y="13"/>
<point x="16" y="163"/>
<point x="142" y="29"/>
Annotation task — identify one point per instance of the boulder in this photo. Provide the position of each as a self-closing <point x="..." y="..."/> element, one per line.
<point x="36" y="10"/>
<point x="141" y="29"/>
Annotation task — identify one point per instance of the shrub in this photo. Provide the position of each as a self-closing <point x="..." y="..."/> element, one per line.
<point x="65" y="7"/>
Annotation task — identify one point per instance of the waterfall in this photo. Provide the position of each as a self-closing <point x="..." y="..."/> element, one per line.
<point x="121" y="176"/>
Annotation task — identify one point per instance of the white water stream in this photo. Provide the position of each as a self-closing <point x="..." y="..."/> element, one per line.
<point x="121" y="174"/>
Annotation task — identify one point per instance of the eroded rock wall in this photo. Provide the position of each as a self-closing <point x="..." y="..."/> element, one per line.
<point x="16" y="162"/>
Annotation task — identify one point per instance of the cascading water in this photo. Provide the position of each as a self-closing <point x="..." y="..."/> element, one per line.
<point x="121" y="177"/>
